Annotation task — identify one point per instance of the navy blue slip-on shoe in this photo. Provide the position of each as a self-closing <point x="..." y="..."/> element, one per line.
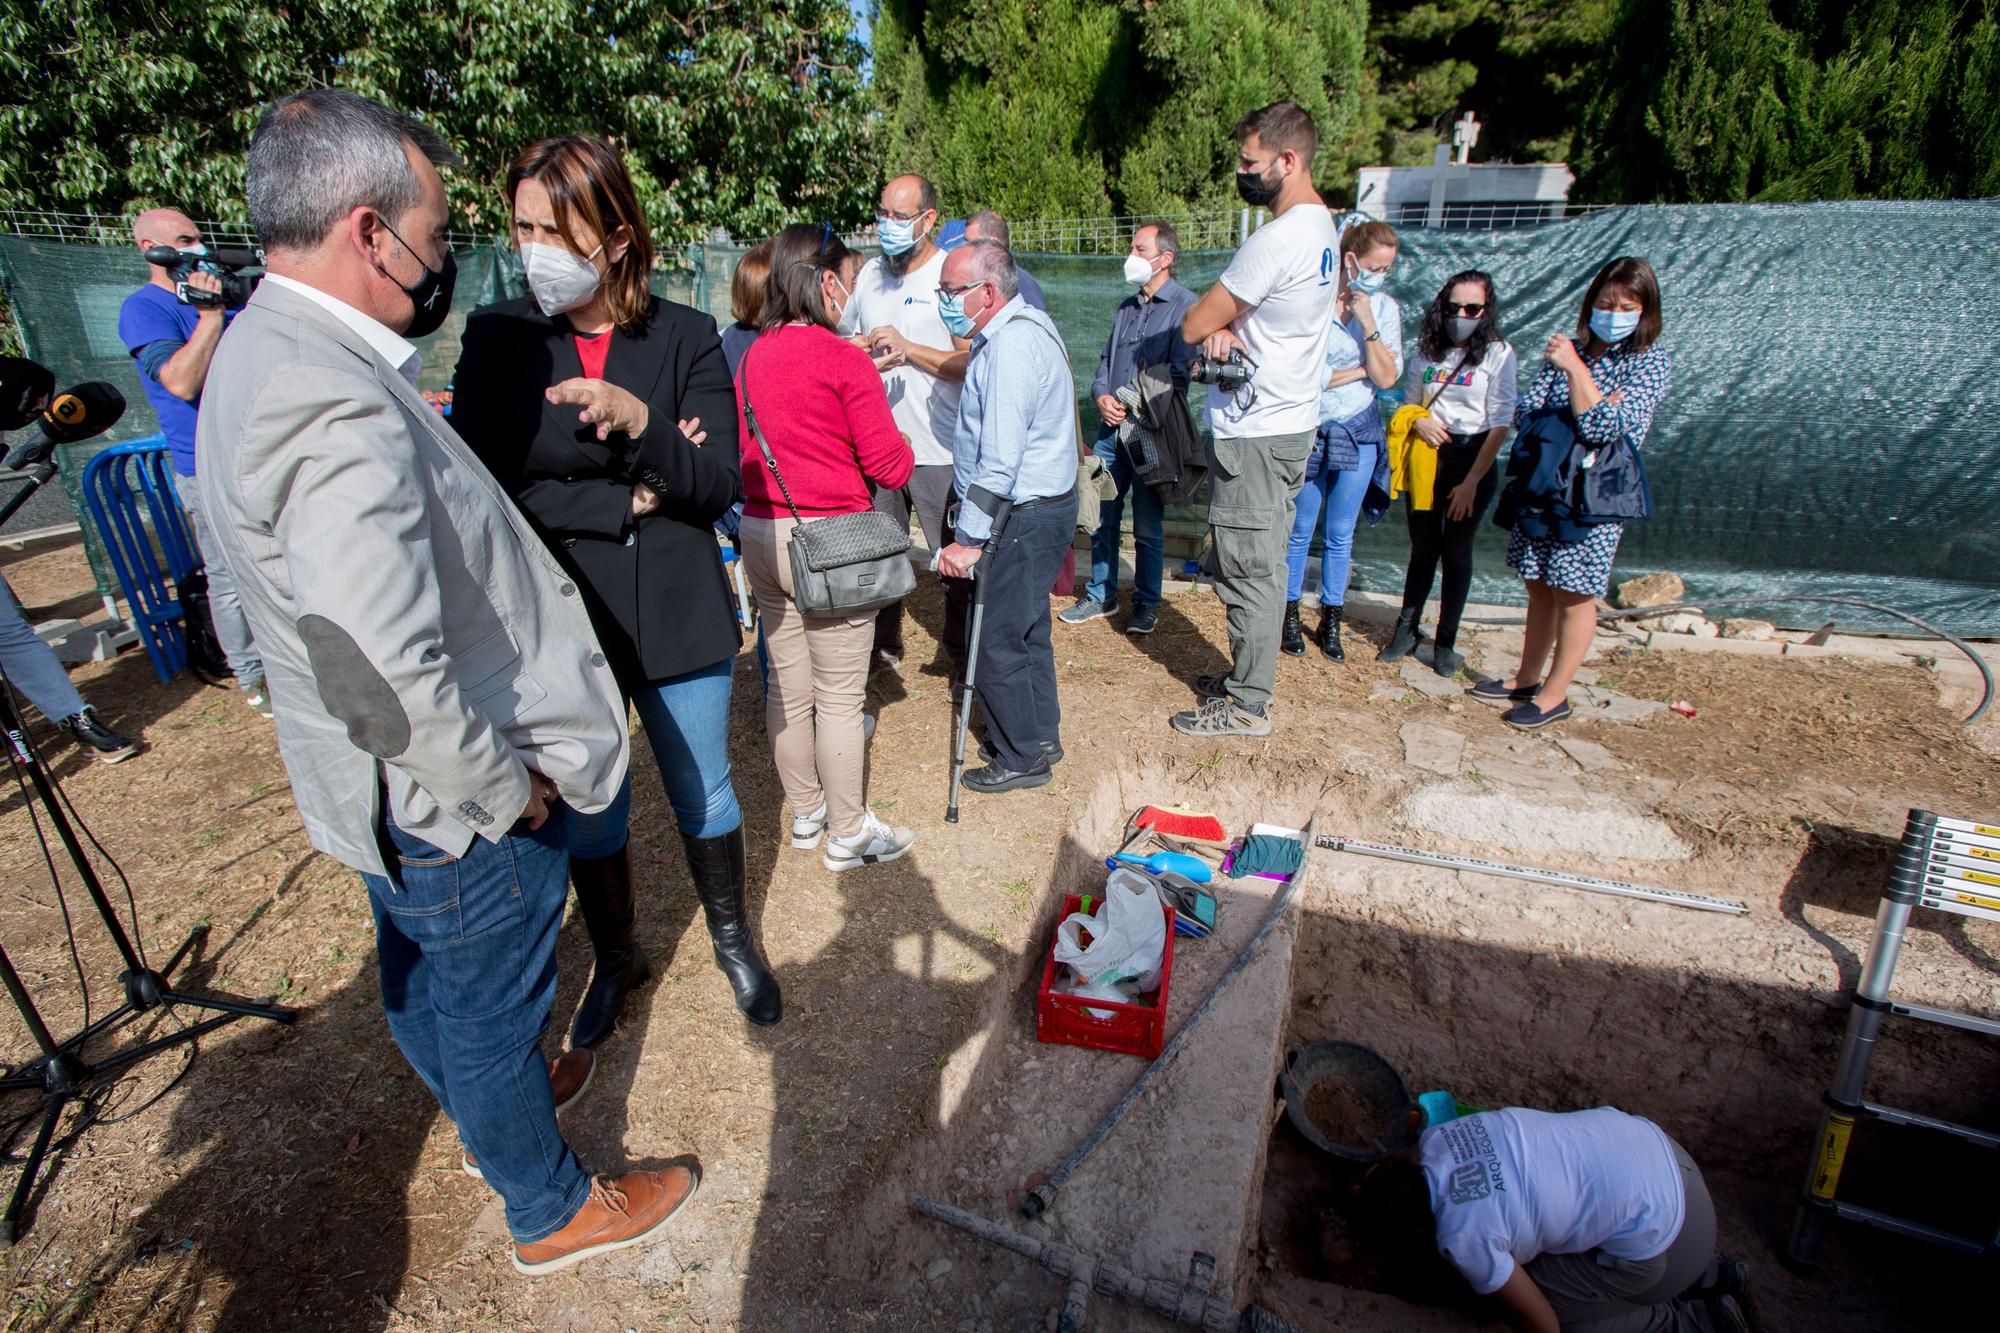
<point x="1496" y="693"/>
<point x="1528" y="717"/>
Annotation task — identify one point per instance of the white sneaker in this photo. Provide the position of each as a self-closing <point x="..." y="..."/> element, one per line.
<point x="806" y="829"/>
<point x="876" y="843"/>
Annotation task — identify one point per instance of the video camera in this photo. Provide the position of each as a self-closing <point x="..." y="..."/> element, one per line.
<point x="228" y="265"/>
<point x="1228" y="375"/>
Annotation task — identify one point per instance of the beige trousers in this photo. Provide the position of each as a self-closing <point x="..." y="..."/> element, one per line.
<point x="819" y="677"/>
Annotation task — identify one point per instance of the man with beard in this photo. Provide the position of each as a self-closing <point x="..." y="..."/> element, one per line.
<point x="894" y="316"/>
<point x="1274" y="304"/>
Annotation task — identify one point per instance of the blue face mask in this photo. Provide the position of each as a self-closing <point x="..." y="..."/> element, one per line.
<point x="951" y="309"/>
<point x="1367" y="281"/>
<point x="896" y="234"/>
<point x="1613" y="326"/>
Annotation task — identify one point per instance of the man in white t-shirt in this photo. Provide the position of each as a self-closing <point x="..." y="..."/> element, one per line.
<point x="1591" y="1220"/>
<point x="894" y="317"/>
<point x="1274" y="304"/>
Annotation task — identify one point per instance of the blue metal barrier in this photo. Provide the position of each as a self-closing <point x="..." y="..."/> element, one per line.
<point x="116" y="482"/>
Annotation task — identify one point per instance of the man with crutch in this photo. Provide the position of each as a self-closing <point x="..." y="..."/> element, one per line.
<point x="1017" y="447"/>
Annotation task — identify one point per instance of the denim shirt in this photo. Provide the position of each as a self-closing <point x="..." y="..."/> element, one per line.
<point x="1016" y="419"/>
<point x="1145" y="332"/>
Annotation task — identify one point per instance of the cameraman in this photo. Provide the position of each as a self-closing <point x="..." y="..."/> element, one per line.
<point x="172" y="343"/>
<point x="1274" y="304"/>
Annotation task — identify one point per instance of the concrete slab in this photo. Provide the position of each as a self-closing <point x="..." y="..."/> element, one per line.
<point x="1479" y="817"/>
<point x="1610" y="706"/>
<point x="1589" y="755"/>
<point x="1383" y="689"/>
<point x="1433" y="749"/>
<point x="1426" y="681"/>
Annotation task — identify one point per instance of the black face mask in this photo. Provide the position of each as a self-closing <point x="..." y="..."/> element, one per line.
<point x="430" y="295"/>
<point x="1255" y="190"/>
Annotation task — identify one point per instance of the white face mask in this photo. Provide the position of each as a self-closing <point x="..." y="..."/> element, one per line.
<point x="1138" y="270"/>
<point x="558" y="279"/>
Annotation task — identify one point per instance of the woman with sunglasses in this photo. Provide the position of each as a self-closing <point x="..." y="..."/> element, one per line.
<point x="1608" y="380"/>
<point x="1350" y="455"/>
<point x="607" y="414"/>
<point x="1464" y="375"/>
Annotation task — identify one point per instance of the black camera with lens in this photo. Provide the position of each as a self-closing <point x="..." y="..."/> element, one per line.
<point x="1228" y="375"/>
<point x="226" y="265"/>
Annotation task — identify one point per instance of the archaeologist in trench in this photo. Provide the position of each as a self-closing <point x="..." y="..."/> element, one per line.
<point x="1588" y="1222"/>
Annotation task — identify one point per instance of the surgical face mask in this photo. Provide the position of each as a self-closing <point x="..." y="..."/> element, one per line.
<point x="1138" y="270"/>
<point x="846" y="299"/>
<point x="896" y="234"/>
<point x="430" y="295"/>
<point x="559" y="279"/>
<point x="1461" y="328"/>
<point x="1367" y="281"/>
<point x="197" y="250"/>
<point x="1258" y="190"/>
<point x="1613" y="326"/>
<point x="951" y="309"/>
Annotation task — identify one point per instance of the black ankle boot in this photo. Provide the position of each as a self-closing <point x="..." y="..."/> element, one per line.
<point x="604" y="898"/>
<point x="1329" y="633"/>
<point x="1292" y="639"/>
<point x="1447" y="660"/>
<point x="1404" y="641"/>
<point x="716" y="865"/>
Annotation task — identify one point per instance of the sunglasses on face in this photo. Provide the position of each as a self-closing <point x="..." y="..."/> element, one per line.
<point x="1470" y="309"/>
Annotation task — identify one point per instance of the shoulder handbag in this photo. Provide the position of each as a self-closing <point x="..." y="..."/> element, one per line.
<point x="844" y="564"/>
<point x="1094" y="484"/>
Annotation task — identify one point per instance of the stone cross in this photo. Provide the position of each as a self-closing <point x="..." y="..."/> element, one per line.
<point x="1464" y="134"/>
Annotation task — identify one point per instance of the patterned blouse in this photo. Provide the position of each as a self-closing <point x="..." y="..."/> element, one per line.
<point x="1644" y="376"/>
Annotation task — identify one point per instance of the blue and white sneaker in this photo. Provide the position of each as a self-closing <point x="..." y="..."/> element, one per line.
<point x="1084" y="611"/>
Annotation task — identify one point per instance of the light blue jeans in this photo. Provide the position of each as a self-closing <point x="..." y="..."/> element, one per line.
<point x="687" y="723"/>
<point x="1330" y="503"/>
<point x="30" y="665"/>
<point x="225" y="606"/>
<point x="1149" y="525"/>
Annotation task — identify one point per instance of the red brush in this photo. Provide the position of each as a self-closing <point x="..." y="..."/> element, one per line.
<point x="1186" y="825"/>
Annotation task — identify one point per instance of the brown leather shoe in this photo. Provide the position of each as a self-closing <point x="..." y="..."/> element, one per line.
<point x="623" y="1211"/>
<point x="569" y="1077"/>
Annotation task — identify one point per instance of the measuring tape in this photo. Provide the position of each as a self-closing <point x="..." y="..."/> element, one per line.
<point x="1589" y="883"/>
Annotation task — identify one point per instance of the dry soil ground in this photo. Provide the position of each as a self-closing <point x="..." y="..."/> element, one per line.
<point x="301" y="1178"/>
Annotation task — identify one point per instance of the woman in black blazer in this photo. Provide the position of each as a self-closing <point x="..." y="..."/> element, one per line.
<point x="609" y="415"/>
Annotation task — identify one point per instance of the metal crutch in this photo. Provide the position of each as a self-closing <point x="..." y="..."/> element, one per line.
<point x="1000" y="513"/>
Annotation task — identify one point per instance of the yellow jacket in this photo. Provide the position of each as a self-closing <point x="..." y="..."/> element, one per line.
<point x="1413" y="463"/>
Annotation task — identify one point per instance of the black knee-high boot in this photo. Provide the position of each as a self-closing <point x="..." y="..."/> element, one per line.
<point x="604" y="898"/>
<point x="716" y="865"/>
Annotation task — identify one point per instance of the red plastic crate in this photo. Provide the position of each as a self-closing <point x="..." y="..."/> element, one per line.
<point x="1131" y="1029"/>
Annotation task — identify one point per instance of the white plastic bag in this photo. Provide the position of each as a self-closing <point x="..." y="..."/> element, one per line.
<point x="1128" y="937"/>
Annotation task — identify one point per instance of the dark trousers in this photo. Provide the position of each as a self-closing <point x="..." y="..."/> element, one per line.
<point x="928" y="495"/>
<point x="1436" y="540"/>
<point x="1016" y="680"/>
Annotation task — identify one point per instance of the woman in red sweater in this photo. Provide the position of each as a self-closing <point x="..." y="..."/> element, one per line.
<point x="821" y="404"/>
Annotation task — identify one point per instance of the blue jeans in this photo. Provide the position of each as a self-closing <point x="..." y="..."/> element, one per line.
<point x="1149" y="519"/>
<point x="31" y="666"/>
<point x="687" y="723"/>
<point x="467" y="952"/>
<point x="1330" y="502"/>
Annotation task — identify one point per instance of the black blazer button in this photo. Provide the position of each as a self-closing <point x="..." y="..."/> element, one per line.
<point x="569" y="541"/>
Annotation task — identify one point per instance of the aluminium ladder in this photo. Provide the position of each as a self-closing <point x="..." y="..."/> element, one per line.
<point x="1950" y="865"/>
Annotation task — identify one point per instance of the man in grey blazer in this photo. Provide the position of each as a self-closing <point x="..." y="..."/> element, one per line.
<point x="440" y="695"/>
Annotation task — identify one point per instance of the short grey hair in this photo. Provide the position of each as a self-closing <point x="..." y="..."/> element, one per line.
<point x="318" y="155"/>
<point x="993" y="262"/>
<point x="990" y="226"/>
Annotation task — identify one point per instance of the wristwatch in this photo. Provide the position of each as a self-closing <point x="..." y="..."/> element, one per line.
<point x="1374" y="337"/>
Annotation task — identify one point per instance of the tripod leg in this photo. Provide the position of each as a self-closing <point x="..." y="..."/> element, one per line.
<point x="10" y="1225"/>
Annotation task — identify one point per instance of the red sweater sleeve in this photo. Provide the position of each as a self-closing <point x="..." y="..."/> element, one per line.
<point x="879" y="446"/>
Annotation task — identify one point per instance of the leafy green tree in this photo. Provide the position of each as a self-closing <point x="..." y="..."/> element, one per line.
<point x="1758" y="99"/>
<point x="1066" y="108"/>
<point x="731" y="114"/>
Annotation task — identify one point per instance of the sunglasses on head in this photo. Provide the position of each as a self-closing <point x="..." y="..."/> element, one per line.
<point x="1470" y="309"/>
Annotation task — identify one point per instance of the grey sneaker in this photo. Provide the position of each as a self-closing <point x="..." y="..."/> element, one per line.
<point x="806" y="829"/>
<point x="257" y="696"/>
<point x="1221" y="717"/>
<point x="876" y="843"/>
<point x="1143" y="621"/>
<point x="1085" y="610"/>
<point x="88" y="732"/>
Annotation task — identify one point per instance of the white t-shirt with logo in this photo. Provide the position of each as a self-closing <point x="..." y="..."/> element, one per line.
<point x="925" y="407"/>
<point x="1478" y="398"/>
<point x="1510" y="1186"/>
<point x="1288" y="272"/>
